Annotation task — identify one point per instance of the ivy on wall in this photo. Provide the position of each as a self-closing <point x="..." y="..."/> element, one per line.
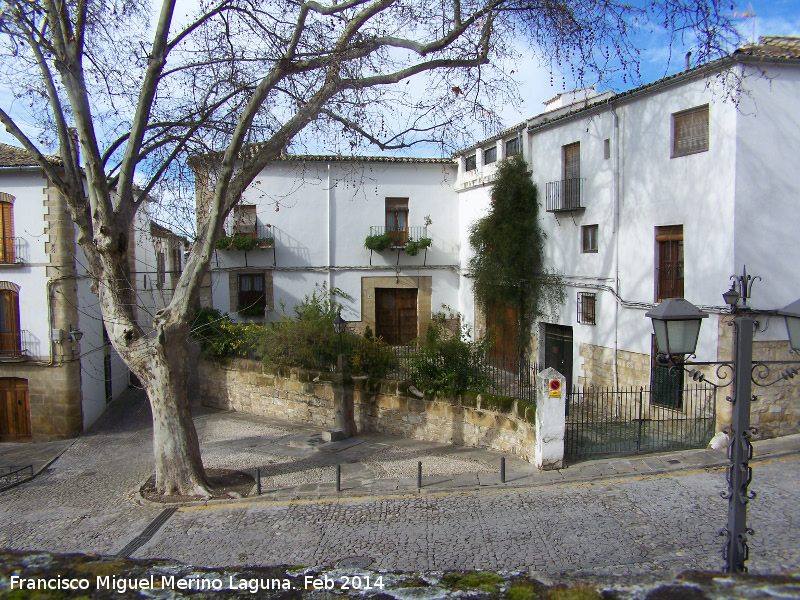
<point x="509" y="248"/>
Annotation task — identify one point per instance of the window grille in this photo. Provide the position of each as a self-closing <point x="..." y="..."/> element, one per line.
<point x="586" y="308"/>
<point x="490" y="155"/>
<point x="472" y="163"/>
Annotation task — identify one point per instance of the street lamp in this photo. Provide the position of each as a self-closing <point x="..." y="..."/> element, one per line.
<point x="339" y="326"/>
<point x="676" y="324"/>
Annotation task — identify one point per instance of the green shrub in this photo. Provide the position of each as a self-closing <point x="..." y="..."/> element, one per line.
<point x="371" y="356"/>
<point x="306" y="339"/>
<point x="378" y="242"/>
<point x="221" y="337"/>
<point x="242" y="242"/>
<point x="448" y="363"/>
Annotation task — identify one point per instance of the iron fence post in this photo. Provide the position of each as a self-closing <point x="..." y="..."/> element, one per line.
<point x="641" y="408"/>
<point x="735" y="551"/>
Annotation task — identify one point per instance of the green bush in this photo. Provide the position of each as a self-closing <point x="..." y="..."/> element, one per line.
<point x="371" y="356"/>
<point x="242" y="242"/>
<point x="449" y="363"/>
<point x="220" y="337"/>
<point x="378" y="242"/>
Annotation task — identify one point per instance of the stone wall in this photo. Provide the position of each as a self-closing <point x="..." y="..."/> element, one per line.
<point x="633" y="368"/>
<point x="776" y="411"/>
<point x="480" y="421"/>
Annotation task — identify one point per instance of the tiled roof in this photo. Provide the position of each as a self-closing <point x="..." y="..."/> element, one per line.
<point x="384" y="159"/>
<point x="12" y="156"/>
<point x="335" y="158"/>
<point x="772" y="46"/>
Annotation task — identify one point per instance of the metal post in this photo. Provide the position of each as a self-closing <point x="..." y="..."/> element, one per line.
<point x="735" y="551"/>
<point x="258" y="481"/>
<point x="502" y="469"/>
<point x="419" y="475"/>
<point x="338" y="478"/>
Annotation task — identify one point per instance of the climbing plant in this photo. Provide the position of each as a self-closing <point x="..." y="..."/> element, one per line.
<point x="508" y="244"/>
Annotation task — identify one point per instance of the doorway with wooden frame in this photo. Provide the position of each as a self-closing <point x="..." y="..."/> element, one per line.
<point x="502" y="327"/>
<point x="396" y="315"/>
<point x="15" y="411"/>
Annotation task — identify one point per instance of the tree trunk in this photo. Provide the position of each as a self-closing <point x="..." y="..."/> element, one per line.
<point x="179" y="468"/>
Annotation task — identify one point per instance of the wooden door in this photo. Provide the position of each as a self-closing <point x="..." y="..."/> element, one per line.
<point x="502" y="327"/>
<point x="558" y="350"/>
<point x="396" y="315"/>
<point x="10" y="340"/>
<point x="15" y="420"/>
<point x="7" y="232"/>
<point x="572" y="174"/>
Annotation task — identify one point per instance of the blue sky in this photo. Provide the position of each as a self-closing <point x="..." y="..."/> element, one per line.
<point x="778" y="17"/>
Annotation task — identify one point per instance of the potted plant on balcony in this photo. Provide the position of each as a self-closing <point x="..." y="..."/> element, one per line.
<point x="378" y="242"/>
<point x="242" y="242"/>
<point x="413" y="247"/>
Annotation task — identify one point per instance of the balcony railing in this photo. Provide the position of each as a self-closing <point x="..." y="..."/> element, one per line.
<point x="401" y="236"/>
<point x="261" y="231"/>
<point x="564" y="195"/>
<point x="14" y="344"/>
<point x="13" y="250"/>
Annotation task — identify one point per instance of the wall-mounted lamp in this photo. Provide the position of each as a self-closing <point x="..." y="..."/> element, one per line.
<point x="75" y="334"/>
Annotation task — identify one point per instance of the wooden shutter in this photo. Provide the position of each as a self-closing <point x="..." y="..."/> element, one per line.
<point x="669" y="262"/>
<point x="244" y="220"/>
<point x="7" y="231"/>
<point x="397" y="220"/>
<point x="572" y="161"/>
<point x="690" y="131"/>
<point x="9" y="324"/>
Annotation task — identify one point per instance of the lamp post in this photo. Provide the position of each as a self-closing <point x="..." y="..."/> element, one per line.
<point x="676" y="325"/>
<point x="339" y="326"/>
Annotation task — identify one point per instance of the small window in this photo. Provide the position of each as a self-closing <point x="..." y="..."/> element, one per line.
<point x="490" y="155"/>
<point x="471" y="163"/>
<point x="244" y="220"/>
<point x="512" y="146"/>
<point x="606" y="148"/>
<point x="252" y="299"/>
<point x="589" y="237"/>
<point x="690" y="131"/>
<point x="586" y="308"/>
<point x="177" y="259"/>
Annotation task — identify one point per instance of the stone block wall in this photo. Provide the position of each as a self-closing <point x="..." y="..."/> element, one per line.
<point x="633" y="368"/>
<point x="776" y="411"/>
<point x="480" y="421"/>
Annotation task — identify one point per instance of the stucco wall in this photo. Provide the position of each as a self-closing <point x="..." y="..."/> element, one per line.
<point x="500" y="424"/>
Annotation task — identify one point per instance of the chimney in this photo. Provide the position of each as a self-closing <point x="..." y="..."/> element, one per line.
<point x="688" y="60"/>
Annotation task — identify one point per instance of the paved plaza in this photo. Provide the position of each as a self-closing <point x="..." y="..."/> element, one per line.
<point x="643" y="515"/>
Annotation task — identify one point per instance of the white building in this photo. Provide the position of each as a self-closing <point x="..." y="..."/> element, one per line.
<point x="317" y="212"/>
<point x="57" y="369"/>
<point x="662" y="191"/>
<point x="665" y="190"/>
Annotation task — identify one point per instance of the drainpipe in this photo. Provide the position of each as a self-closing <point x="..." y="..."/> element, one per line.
<point x="330" y="236"/>
<point x="615" y="186"/>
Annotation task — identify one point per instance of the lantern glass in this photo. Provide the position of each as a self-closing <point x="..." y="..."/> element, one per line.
<point x="793" y="326"/>
<point x="339" y="324"/>
<point x="682" y="336"/>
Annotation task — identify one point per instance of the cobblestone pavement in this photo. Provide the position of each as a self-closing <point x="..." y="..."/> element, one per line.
<point x="576" y="521"/>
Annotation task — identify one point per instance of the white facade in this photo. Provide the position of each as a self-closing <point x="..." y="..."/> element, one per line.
<point x="319" y="210"/>
<point x="735" y="202"/>
<point x="60" y="383"/>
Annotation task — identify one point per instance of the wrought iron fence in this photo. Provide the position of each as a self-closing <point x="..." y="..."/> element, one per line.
<point x="603" y="422"/>
<point x="13" y="250"/>
<point x="511" y="378"/>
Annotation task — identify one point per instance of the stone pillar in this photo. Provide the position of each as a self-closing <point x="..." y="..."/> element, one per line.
<point x="344" y="422"/>
<point x="550" y="420"/>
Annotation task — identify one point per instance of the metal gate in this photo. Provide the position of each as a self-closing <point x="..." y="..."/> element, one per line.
<point x="636" y="421"/>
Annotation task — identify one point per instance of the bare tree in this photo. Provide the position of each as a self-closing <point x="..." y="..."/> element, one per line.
<point x="243" y="80"/>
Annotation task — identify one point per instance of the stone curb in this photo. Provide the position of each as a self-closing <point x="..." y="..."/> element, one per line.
<point x="286" y="495"/>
